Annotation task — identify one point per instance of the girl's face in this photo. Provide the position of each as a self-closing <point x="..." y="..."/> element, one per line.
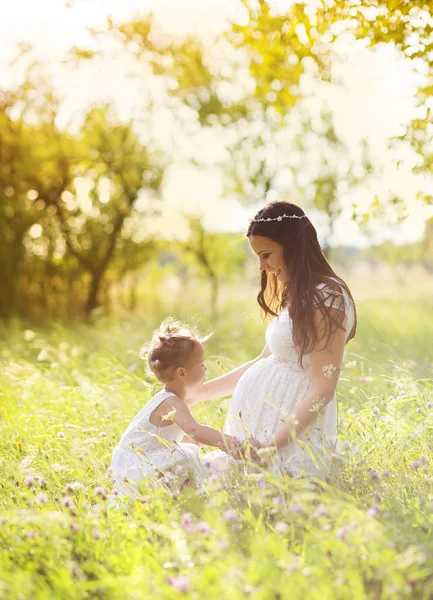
<point x="195" y="370"/>
<point x="270" y="255"/>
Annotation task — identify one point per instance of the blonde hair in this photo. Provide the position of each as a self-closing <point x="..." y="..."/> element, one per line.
<point x="171" y="346"/>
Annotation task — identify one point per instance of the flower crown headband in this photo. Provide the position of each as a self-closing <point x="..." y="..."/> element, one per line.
<point x="280" y="218"/>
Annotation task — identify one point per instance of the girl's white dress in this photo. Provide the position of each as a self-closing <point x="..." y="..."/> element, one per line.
<point x="268" y="392"/>
<point x="149" y="451"/>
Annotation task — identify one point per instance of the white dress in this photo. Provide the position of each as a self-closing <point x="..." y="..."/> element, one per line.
<point x="149" y="451"/>
<point x="270" y="390"/>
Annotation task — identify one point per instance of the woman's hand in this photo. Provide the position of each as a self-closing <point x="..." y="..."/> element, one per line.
<point x="249" y="449"/>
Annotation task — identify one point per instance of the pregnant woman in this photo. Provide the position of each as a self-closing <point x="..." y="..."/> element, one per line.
<point x="285" y="399"/>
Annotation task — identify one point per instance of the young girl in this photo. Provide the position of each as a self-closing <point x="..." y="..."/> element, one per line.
<point x="152" y="444"/>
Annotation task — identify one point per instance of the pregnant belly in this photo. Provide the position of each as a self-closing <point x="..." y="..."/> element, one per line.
<point x="264" y="397"/>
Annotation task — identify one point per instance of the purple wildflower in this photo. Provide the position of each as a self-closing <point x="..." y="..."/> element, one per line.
<point x="374" y="474"/>
<point x="373" y="510"/>
<point x="203" y="527"/>
<point x="180" y="583"/>
<point x="230" y="515"/>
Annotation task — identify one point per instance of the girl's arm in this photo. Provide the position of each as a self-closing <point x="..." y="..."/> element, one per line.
<point x="224" y="385"/>
<point x="176" y="411"/>
<point x="325" y="367"/>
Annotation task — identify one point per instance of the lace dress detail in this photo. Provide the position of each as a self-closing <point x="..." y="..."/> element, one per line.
<point x="149" y="451"/>
<point x="268" y="392"/>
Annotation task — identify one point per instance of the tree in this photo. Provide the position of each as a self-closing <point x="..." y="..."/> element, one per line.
<point x="117" y="171"/>
<point x="36" y="163"/>
<point x="216" y="256"/>
<point x="249" y="86"/>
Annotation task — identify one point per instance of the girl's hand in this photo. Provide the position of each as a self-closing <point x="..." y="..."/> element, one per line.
<point x="229" y="444"/>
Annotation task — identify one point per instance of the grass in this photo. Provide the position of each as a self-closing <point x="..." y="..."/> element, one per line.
<point x="67" y="393"/>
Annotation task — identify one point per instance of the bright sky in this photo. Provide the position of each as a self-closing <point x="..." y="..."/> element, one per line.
<point x="375" y="100"/>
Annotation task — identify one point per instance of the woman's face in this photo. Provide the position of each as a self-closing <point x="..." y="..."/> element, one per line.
<point x="270" y="255"/>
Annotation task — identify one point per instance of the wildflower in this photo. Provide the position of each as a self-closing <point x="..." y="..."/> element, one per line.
<point x="74" y="527"/>
<point x="419" y="411"/>
<point x="351" y="410"/>
<point x="96" y="534"/>
<point x="187" y="523"/>
<point x="377" y="497"/>
<point x="29" y="481"/>
<point x="423" y="460"/>
<point x="293" y="566"/>
<point x="186" y="518"/>
<point x="72" y="487"/>
<point x="31" y="535"/>
<point x="341" y="533"/>
<point x="68" y="502"/>
<point x="102" y="434"/>
<point x="277" y="500"/>
<point x="414" y="464"/>
<point x="236" y="528"/>
<point x="168" y="477"/>
<point x="203" y="527"/>
<point x="180" y="583"/>
<point x="345" y="446"/>
<point x="42" y="483"/>
<point x="321" y="511"/>
<point x="375" y="410"/>
<point x="281" y="527"/>
<point x="373" y="510"/>
<point x="337" y="459"/>
<point x="374" y="474"/>
<point x="99" y="490"/>
<point x="230" y="515"/>
<point x="386" y="473"/>
<point x="296" y="508"/>
<point x="424" y="470"/>
<point x="429" y="404"/>
<point x="41" y="498"/>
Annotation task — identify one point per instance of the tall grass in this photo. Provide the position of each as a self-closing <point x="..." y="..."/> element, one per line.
<point x="67" y="393"/>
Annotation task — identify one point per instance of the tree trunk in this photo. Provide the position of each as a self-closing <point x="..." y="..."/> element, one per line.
<point x="94" y="287"/>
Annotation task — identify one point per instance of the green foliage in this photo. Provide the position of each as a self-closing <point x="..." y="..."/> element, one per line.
<point x="70" y="204"/>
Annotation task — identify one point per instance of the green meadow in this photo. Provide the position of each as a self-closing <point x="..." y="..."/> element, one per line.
<point x="67" y="393"/>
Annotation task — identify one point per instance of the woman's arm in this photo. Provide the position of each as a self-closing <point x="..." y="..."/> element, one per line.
<point x="224" y="385"/>
<point x="325" y="369"/>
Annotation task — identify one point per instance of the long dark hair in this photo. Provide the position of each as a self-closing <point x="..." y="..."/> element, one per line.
<point x="307" y="268"/>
